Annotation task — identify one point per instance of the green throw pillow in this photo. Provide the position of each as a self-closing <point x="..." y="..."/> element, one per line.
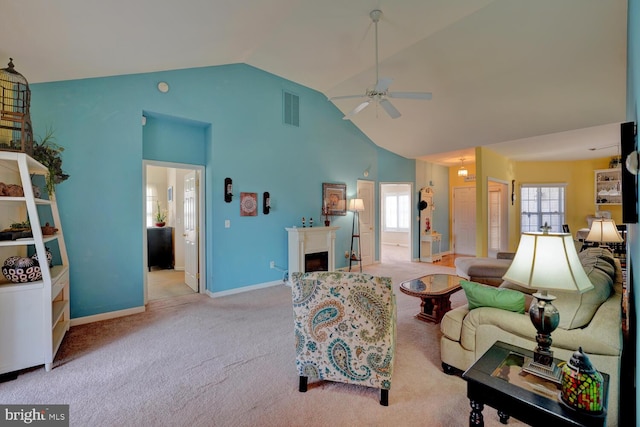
<point x="487" y="296"/>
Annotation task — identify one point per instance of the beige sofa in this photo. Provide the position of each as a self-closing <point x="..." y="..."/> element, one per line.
<point x="591" y="320"/>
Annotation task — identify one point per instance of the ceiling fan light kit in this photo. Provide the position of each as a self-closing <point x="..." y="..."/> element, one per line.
<point x="380" y="93"/>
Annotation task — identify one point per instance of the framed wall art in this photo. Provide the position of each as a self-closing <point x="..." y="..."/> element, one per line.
<point x="248" y="204"/>
<point x="334" y="198"/>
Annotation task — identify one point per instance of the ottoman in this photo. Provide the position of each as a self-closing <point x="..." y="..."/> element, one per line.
<point x="484" y="270"/>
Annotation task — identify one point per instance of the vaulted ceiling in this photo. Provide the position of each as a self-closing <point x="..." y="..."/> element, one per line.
<point x="524" y="77"/>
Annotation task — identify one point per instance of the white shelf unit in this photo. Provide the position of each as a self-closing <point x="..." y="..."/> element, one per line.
<point x="34" y="316"/>
<point x="428" y="237"/>
<point x="608" y="187"/>
<point x="427" y="241"/>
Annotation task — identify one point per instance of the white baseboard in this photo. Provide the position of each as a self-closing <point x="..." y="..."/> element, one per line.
<point x="105" y="316"/>
<point x="244" y="289"/>
<point x="135" y="310"/>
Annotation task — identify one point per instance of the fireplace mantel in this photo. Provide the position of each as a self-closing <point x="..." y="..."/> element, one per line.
<point x="309" y="240"/>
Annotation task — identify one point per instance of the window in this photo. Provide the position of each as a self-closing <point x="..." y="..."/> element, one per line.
<point x="540" y="204"/>
<point x="396" y="209"/>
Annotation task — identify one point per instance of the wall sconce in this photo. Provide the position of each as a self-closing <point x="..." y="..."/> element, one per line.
<point x="228" y="188"/>
<point x="631" y="162"/>
<point x="266" y="203"/>
<point x="513" y="192"/>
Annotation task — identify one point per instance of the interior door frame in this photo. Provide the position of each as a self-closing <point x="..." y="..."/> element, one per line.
<point x="412" y="204"/>
<point x="200" y="171"/>
<point x="504" y="224"/>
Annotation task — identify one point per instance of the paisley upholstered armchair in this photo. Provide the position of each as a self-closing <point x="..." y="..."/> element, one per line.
<point x="345" y="329"/>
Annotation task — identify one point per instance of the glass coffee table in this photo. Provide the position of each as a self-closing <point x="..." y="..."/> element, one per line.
<point x="434" y="290"/>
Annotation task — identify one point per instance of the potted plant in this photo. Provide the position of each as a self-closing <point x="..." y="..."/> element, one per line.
<point x="161" y="216"/>
<point x="47" y="152"/>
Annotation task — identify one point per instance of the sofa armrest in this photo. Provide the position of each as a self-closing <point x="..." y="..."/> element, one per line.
<point x="505" y="255"/>
<point x="451" y="324"/>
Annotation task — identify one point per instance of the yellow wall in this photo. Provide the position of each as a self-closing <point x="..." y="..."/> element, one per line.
<point x="578" y="175"/>
<point x="492" y="166"/>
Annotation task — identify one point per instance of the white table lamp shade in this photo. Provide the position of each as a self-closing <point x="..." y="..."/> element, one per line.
<point x="548" y="261"/>
<point x="604" y="230"/>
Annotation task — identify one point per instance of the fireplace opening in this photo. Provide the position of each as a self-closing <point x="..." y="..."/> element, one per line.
<point x="318" y="261"/>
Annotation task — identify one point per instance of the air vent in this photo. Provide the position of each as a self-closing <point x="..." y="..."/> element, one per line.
<point x="291" y="109"/>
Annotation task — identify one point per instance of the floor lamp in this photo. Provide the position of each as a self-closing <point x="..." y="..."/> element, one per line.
<point x="356" y="206"/>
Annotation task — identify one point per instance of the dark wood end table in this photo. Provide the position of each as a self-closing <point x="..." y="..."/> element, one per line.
<point x="495" y="380"/>
<point x="434" y="290"/>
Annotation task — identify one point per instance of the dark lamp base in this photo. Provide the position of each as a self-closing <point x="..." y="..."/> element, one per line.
<point x="548" y="372"/>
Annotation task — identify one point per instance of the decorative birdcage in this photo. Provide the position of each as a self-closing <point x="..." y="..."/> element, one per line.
<point x="16" y="133"/>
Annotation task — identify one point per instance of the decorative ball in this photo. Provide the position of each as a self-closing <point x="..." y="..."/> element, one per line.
<point x="49" y="257"/>
<point x="24" y="262"/>
<point x="21" y="269"/>
<point x="11" y="261"/>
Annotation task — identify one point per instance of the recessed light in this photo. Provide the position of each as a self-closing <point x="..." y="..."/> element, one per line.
<point x="163" y="87"/>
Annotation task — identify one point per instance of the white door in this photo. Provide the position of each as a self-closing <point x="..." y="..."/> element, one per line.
<point x="367" y="221"/>
<point x="464" y="220"/>
<point x="191" y="230"/>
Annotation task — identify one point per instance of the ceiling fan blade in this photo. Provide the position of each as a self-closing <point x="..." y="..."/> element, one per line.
<point x="347" y="97"/>
<point x="383" y="84"/>
<point x="410" y="95"/>
<point x="356" y="110"/>
<point x="390" y="109"/>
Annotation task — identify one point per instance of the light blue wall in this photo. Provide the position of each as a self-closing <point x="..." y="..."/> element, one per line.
<point x="633" y="97"/>
<point x="228" y="118"/>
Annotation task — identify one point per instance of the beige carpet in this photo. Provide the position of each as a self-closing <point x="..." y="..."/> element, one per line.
<point x="197" y="361"/>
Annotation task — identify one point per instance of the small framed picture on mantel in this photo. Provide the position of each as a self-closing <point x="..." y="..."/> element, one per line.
<point x="334" y="198"/>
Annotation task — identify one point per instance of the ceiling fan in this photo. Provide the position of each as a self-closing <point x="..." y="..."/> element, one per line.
<point x="380" y="93"/>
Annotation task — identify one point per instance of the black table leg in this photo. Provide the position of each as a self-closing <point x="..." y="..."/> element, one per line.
<point x="504" y="417"/>
<point x="476" y="418"/>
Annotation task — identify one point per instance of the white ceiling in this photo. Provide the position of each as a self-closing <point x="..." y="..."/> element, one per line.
<point x="518" y="75"/>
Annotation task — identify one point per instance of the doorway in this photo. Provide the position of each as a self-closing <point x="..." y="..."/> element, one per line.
<point x="173" y="264"/>
<point x="395" y="220"/>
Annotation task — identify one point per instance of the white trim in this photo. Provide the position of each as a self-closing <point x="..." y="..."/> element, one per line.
<point x="106" y="316"/>
<point x="244" y="289"/>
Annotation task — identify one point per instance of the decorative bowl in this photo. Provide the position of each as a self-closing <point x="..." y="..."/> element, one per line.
<point x="22" y="274"/>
